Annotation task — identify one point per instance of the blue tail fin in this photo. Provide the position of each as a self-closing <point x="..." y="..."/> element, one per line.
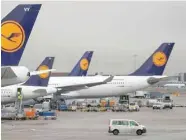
<point x="156" y="63"/>
<point x="15" y="31"/>
<point x="42" y="79"/>
<point x="82" y="66"/>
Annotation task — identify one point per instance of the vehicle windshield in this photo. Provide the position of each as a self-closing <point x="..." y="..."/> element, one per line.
<point x="133" y="123"/>
<point x="132" y="103"/>
<point x="167" y="101"/>
<point x="39" y="106"/>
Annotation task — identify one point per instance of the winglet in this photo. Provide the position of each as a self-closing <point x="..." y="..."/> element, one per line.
<point x="109" y="79"/>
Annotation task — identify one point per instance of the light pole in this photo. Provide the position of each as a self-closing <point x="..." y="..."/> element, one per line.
<point x="135" y="56"/>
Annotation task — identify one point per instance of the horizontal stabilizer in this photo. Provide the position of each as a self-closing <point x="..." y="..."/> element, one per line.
<point x="41" y="72"/>
<point x="7" y="73"/>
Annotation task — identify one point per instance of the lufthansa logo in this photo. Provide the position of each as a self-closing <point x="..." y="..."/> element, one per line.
<point x="159" y="59"/>
<point x="84" y="64"/>
<point x="43" y="75"/>
<point x="12" y="36"/>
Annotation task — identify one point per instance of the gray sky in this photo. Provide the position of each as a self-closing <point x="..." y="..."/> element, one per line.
<point x="115" y="31"/>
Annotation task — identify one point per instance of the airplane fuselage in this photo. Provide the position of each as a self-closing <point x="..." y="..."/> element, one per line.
<point x="120" y="85"/>
<point x="9" y="93"/>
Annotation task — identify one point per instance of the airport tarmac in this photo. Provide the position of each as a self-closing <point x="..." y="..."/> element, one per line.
<point x="166" y="124"/>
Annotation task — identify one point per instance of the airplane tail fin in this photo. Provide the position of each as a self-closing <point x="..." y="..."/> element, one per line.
<point x="41" y="79"/>
<point x="156" y="63"/>
<point x="81" y="68"/>
<point x="15" y="31"/>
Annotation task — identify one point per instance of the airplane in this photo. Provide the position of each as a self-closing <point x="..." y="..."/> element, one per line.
<point x="84" y="62"/>
<point x="168" y="88"/>
<point x="35" y="86"/>
<point x="16" y="28"/>
<point x="149" y="74"/>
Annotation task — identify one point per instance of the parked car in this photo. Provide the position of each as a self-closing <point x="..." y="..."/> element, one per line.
<point x="126" y="126"/>
<point x="158" y="106"/>
<point x="167" y="105"/>
<point x="133" y="107"/>
<point x="72" y="108"/>
<point x="119" y="108"/>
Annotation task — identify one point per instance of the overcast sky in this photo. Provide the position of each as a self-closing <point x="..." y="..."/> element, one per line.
<point x="115" y="31"/>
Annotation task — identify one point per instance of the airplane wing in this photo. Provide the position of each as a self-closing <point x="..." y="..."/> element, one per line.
<point x="7" y="73"/>
<point x="82" y="86"/>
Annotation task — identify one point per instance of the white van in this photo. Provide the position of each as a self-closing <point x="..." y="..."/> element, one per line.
<point x="125" y="126"/>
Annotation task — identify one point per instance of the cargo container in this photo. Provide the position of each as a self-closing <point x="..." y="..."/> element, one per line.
<point x="30" y="113"/>
<point x="63" y="107"/>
